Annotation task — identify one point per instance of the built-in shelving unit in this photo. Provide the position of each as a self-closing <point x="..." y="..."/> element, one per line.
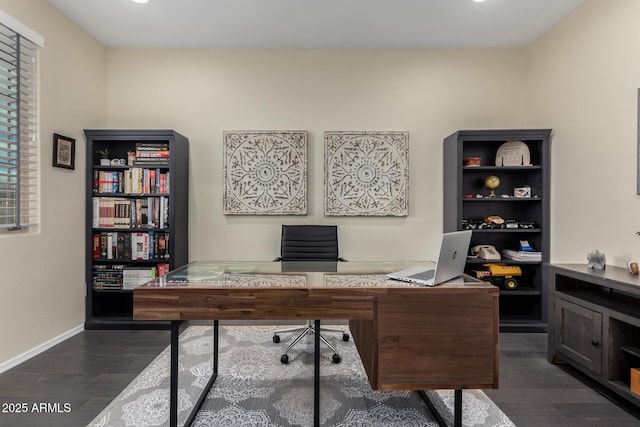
<point x="467" y="204"/>
<point x="136" y="218"/>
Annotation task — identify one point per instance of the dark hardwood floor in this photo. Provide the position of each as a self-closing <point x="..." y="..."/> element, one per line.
<point x="535" y="393"/>
<point x="90" y="369"/>
<point x="86" y="371"/>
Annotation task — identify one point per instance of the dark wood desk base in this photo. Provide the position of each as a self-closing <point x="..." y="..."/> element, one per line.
<point x="408" y="337"/>
<point x="173" y="387"/>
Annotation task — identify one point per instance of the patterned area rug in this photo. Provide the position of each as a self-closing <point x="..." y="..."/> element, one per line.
<point x="254" y="389"/>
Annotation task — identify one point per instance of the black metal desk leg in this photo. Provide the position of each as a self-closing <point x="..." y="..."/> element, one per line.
<point x="214" y="375"/>
<point x="216" y="326"/>
<point x="457" y="408"/>
<point x="316" y="375"/>
<point x="173" y="381"/>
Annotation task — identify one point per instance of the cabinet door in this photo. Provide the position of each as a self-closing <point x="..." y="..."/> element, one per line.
<point x="579" y="334"/>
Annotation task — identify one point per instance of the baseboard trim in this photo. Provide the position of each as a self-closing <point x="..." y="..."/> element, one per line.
<point x="5" y="366"/>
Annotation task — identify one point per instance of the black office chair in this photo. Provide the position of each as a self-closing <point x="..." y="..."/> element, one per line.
<point x="308" y="243"/>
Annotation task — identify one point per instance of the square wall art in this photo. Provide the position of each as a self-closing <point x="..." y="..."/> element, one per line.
<point x="366" y="173"/>
<point x="265" y="172"/>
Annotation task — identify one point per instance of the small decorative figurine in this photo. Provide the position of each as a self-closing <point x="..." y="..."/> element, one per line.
<point x="633" y="267"/>
<point x="596" y="260"/>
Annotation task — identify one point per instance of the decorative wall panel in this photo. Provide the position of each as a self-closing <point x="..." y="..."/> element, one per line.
<point x="265" y="172"/>
<point x="366" y="173"/>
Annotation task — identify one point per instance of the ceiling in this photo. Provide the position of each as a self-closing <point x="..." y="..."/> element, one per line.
<point x="316" y="23"/>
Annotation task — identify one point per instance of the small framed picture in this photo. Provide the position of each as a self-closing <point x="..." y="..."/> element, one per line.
<point x="64" y="152"/>
<point x="522" y="192"/>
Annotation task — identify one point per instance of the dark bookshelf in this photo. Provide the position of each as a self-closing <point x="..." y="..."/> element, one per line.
<point x="523" y="309"/>
<point x="136" y="214"/>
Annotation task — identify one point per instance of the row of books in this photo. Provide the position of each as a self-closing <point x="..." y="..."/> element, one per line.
<point x="522" y="255"/>
<point x="131" y="181"/>
<point x="130" y="246"/>
<point x="143" y="212"/>
<point x="123" y="276"/>
<point x="152" y="153"/>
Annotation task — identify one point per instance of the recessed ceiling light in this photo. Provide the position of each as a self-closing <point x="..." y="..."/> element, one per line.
<point x="477" y="1"/>
<point x="146" y="1"/>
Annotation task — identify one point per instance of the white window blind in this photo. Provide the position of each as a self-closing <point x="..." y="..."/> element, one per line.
<point x="19" y="145"/>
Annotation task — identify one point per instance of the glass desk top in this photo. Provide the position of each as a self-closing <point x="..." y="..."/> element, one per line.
<point x="289" y="274"/>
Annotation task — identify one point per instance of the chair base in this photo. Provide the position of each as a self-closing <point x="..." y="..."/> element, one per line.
<point x="304" y="331"/>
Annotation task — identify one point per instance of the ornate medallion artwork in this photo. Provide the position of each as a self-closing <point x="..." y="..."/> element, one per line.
<point x="265" y="173"/>
<point x="366" y="173"/>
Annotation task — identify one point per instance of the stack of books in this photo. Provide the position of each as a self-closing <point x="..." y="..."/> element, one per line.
<point x="522" y="255"/>
<point x="107" y="277"/>
<point x="152" y="154"/>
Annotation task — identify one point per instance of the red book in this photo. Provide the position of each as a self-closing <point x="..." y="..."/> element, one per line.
<point x="163" y="183"/>
<point x="96" y="246"/>
<point x="152" y="181"/>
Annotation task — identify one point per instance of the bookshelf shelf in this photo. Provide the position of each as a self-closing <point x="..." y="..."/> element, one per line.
<point x="136" y="219"/>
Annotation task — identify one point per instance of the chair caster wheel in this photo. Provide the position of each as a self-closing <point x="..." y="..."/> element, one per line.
<point x="276" y="339"/>
<point x="284" y="359"/>
<point x="335" y="358"/>
<point x="345" y="337"/>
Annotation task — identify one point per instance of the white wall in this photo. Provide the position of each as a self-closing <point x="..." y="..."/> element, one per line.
<point x="584" y="77"/>
<point x="42" y="284"/>
<point x="430" y="93"/>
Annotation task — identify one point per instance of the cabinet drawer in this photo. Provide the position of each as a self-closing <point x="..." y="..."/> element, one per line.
<point x="578" y="334"/>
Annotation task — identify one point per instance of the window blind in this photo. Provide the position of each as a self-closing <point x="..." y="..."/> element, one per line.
<point x="19" y="148"/>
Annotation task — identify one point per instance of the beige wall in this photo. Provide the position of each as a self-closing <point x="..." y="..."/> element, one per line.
<point x="584" y="77"/>
<point x="580" y="79"/>
<point x="430" y="93"/>
<point x="42" y="285"/>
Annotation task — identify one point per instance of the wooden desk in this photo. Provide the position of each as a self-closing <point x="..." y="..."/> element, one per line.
<point x="409" y="337"/>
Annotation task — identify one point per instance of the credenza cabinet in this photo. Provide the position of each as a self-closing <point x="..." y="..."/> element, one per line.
<point x="470" y="157"/>
<point x="136" y="218"/>
<point x="594" y="323"/>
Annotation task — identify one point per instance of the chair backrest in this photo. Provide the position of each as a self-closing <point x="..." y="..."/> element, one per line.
<point x="309" y="243"/>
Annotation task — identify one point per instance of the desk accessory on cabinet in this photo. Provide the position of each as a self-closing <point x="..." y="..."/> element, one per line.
<point x="634" y="382"/>
<point x="596" y="260"/>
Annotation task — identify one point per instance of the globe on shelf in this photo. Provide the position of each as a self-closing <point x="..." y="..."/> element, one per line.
<point x="492" y="182"/>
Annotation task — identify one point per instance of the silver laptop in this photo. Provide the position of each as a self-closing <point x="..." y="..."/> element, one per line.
<point x="451" y="261"/>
